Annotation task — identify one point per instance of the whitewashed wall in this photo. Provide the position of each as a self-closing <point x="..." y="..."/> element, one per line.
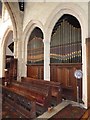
<point x="41" y="11"/>
<point x="45" y="15"/>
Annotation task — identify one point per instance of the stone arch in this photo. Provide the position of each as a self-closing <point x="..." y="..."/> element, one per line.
<point x="59" y="11"/>
<point x="74" y="10"/>
<point x="30" y="27"/>
<point x="7" y="5"/>
<point x="10" y="28"/>
<point x="16" y="18"/>
<point x="27" y="32"/>
<point x="3" y="46"/>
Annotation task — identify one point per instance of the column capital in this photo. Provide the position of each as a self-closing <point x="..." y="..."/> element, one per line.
<point x="15" y="40"/>
<point x="46" y="41"/>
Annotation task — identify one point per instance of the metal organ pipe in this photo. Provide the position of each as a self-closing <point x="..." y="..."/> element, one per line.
<point x="66" y="43"/>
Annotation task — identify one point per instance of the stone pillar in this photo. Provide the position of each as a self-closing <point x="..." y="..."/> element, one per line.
<point x="19" y="56"/>
<point x="2" y="60"/>
<point x="24" y="59"/>
<point x="15" y="48"/>
<point x="46" y="60"/>
<point x="88" y="69"/>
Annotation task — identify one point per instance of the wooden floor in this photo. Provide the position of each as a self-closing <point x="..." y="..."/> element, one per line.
<point x="59" y="107"/>
<point x="86" y="115"/>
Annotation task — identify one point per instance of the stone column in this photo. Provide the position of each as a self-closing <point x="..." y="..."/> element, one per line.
<point x="24" y="59"/>
<point x="19" y="56"/>
<point x="2" y="61"/>
<point x="46" y="60"/>
<point x="15" y="47"/>
<point x="88" y="69"/>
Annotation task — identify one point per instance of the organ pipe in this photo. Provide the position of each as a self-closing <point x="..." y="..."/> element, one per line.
<point x="66" y="43"/>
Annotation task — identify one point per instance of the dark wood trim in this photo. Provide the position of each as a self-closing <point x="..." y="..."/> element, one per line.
<point x="2" y="79"/>
<point x="66" y="64"/>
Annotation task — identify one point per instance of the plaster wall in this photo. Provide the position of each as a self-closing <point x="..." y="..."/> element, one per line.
<point x="0" y="20"/>
<point x="42" y="11"/>
<point x="38" y="11"/>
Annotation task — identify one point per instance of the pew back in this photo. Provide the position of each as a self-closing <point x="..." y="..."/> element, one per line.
<point x="55" y="87"/>
<point x="23" y="103"/>
<point x="39" y="91"/>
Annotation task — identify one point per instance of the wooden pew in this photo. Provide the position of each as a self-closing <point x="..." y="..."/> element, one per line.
<point x="41" y="93"/>
<point x="20" y="100"/>
<point x="55" y="87"/>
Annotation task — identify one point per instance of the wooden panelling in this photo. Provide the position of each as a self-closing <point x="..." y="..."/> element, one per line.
<point x="35" y="71"/>
<point x="11" y="69"/>
<point x="64" y="73"/>
<point x="88" y="68"/>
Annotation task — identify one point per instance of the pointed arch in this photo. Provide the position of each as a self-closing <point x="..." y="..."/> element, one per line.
<point x="3" y="47"/>
<point x="69" y="8"/>
<point x="27" y="32"/>
<point x="76" y="11"/>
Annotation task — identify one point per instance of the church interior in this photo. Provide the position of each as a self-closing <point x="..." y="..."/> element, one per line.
<point x="44" y="60"/>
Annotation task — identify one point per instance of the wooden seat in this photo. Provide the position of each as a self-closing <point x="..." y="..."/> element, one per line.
<point x="55" y="87"/>
<point x="22" y="102"/>
<point x="41" y="93"/>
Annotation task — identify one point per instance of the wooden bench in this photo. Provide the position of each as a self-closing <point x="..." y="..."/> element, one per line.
<point x="20" y="100"/>
<point x="41" y="93"/>
<point x="55" y="87"/>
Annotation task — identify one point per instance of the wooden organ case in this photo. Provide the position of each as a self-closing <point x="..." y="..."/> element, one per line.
<point x="66" y="55"/>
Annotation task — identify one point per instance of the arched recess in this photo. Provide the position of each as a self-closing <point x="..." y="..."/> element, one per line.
<point x="27" y="33"/>
<point x="16" y="18"/>
<point x="76" y="11"/>
<point x="9" y="62"/>
<point x="5" y="44"/>
<point x="4" y="39"/>
<point x="66" y="55"/>
<point x="35" y="54"/>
